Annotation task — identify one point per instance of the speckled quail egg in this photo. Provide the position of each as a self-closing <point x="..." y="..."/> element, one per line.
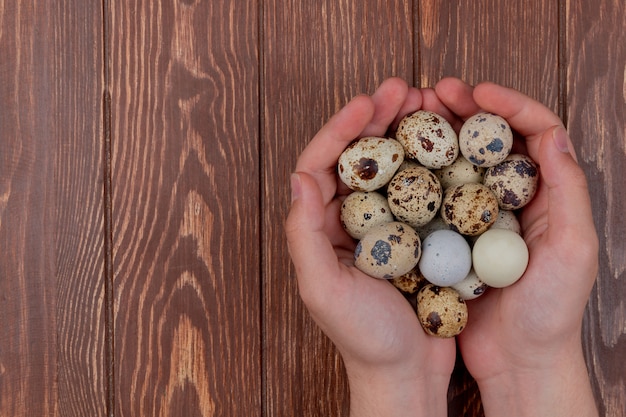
<point x="414" y="196"/>
<point x="388" y="250"/>
<point x="485" y="139"/>
<point x="436" y="223"/>
<point x="446" y="258"/>
<point x="471" y="287"/>
<point x="499" y="257"/>
<point x="459" y="172"/>
<point x="441" y="311"/>
<point x="513" y="181"/>
<point x="362" y="210"/>
<point x="507" y="220"/>
<point x="369" y="163"/>
<point x="410" y="282"/>
<point x="429" y="138"/>
<point x="469" y="209"/>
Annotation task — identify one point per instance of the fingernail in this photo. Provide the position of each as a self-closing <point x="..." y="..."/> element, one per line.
<point x="296" y="187"/>
<point x="562" y="141"/>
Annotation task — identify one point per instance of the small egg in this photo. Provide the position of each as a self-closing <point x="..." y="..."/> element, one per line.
<point x="485" y="139"/>
<point x="429" y="138"/>
<point x="387" y="251"/>
<point x="362" y="210"/>
<point x="414" y="196"/>
<point x="446" y="258"/>
<point x="410" y="282"/>
<point x="507" y="220"/>
<point x="469" y="209"/>
<point x="367" y="164"/>
<point x="471" y="287"/>
<point x="441" y="311"/>
<point x="460" y="172"/>
<point x="436" y="223"/>
<point x="513" y="181"/>
<point x="499" y="257"/>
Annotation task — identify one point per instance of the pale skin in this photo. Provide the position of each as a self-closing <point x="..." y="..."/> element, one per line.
<point x="522" y="343"/>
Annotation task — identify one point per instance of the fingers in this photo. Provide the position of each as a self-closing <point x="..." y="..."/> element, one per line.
<point x="309" y="246"/>
<point x="319" y="158"/>
<point x="388" y="100"/>
<point x="457" y="96"/>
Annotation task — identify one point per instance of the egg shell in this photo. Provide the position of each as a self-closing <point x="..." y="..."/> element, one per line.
<point x="367" y="164"/>
<point x="446" y="258"/>
<point x="441" y="311"/>
<point x="513" y="181"/>
<point x="362" y="210"/>
<point x="499" y="257"/>
<point x="435" y="224"/>
<point x="414" y="196"/>
<point x="469" y="209"/>
<point x="410" y="282"/>
<point x="459" y="172"/>
<point x="507" y="220"/>
<point x="388" y="251"/>
<point x="471" y="287"/>
<point x="429" y="138"/>
<point x="485" y="139"/>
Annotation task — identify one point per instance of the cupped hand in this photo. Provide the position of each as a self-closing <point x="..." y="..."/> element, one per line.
<point x="536" y="322"/>
<point x="373" y="326"/>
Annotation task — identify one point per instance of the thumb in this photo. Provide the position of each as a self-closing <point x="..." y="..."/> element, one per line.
<point x="310" y="248"/>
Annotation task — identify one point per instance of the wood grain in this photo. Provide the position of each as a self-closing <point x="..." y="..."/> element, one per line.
<point x="185" y="206"/>
<point x="596" y="97"/>
<point x="317" y="55"/>
<point x="51" y="218"/>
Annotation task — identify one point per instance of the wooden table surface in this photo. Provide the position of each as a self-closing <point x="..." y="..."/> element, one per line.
<point x="145" y="153"/>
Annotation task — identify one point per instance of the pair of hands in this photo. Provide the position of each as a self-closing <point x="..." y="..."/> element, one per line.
<point x="524" y="337"/>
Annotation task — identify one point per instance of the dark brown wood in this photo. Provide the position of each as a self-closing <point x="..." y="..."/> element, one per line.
<point x="317" y="56"/>
<point x="145" y="153"/>
<point x="185" y="208"/>
<point x="52" y="335"/>
<point x="596" y="109"/>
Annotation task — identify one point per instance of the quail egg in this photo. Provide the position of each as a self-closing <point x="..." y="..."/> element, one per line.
<point x="388" y="250"/>
<point x="513" y="181"/>
<point x="441" y="311"/>
<point x="362" y="210"/>
<point x="429" y="138"/>
<point x="414" y="196"/>
<point x="485" y="139"/>
<point x="471" y="287"/>
<point x="446" y="258"/>
<point x="369" y="163"/>
<point x="459" y="172"/>
<point x="469" y="209"/>
<point x="499" y="257"/>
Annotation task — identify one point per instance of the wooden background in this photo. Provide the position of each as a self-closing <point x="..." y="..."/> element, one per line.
<point x="145" y="153"/>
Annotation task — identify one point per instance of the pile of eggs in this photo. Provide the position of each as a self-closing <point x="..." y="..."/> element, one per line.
<point x="434" y="212"/>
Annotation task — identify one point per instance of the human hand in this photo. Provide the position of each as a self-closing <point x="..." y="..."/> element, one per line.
<point x="393" y="367"/>
<point x="523" y="343"/>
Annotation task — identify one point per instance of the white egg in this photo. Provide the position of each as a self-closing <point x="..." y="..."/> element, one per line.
<point x="500" y="257"/>
<point x="446" y="258"/>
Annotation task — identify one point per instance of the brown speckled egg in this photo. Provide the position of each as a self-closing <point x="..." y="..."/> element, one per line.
<point x="471" y="287"/>
<point x="410" y="282"/>
<point x="388" y="251"/>
<point x="362" y="210"/>
<point x="469" y="208"/>
<point x="414" y="196"/>
<point x="461" y="171"/>
<point x="429" y="138"/>
<point x="513" y="181"/>
<point x="369" y="163"/>
<point x="507" y="220"/>
<point x="441" y="311"/>
<point x="485" y="139"/>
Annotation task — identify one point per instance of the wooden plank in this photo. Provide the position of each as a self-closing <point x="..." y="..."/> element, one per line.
<point x="596" y="98"/>
<point x="51" y="217"/>
<point x="185" y="206"/>
<point x="514" y="44"/>
<point x="316" y="55"/>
